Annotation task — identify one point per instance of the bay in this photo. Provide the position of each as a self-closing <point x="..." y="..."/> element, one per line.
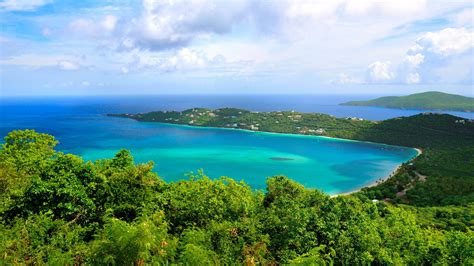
<point x="332" y="165"/>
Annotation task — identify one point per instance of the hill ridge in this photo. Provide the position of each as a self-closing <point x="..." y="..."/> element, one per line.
<point x="429" y="100"/>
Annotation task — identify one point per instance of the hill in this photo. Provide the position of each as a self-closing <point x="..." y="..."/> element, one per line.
<point x="431" y="100"/>
<point x="56" y="209"/>
<point x="447" y="141"/>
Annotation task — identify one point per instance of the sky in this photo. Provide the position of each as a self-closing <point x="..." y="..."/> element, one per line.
<point x="103" y="47"/>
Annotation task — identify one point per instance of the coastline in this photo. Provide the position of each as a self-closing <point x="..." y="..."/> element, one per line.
<point x="372" y="184"/>
<point x="270" y="133"/>
<point x="380" y="180"/>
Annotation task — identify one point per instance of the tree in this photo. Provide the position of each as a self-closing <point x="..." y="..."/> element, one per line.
<point x="27" y="150"/>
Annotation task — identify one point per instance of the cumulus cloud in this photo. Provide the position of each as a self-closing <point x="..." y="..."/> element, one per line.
<point x="435" y="50"/>
<point x="180" y="60"/>
<point x="165" y="24"/>
<point x="277" y="37"/>
<point x="447" y="42"/>
<point x="430" y="56"/>
<point x="101" y="27"/>
<point x="161" y="25"/>
<point x="23" y="5"/>
<point x="414" y="60"/>
<point x="380" y="72"/>
<point x="409" y="67"/>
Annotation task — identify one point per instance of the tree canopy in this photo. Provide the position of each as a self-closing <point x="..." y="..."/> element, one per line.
<point x="57" y="209"/>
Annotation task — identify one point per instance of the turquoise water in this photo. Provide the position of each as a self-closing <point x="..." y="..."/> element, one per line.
<point x="332" y="165"/>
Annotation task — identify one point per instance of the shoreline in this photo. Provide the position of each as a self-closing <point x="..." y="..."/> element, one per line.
<point x="372" y="184"/>
<point x="380" y="180"/>
<point x="271" y="133"/>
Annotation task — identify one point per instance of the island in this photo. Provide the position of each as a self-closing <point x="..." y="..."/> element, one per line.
<point x="58" y="209"/>
<point x="442" y="174"/>
<point x="431" y="100"/>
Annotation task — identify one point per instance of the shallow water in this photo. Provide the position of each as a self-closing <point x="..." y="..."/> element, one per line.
<point x="331" y="165"/>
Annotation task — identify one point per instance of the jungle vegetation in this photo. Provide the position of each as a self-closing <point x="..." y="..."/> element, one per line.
<point x="442" y="175"/>
<point x="57" y="209"/>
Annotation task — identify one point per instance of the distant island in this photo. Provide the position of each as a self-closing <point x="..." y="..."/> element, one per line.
<point x="431" y="100"/>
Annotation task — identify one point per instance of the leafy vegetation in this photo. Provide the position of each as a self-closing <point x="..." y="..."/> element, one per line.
<point x="442" y="175"/>
<point x="281" y="121"/>
<point x="431" y="100"/>
<point x="57" y="209"/>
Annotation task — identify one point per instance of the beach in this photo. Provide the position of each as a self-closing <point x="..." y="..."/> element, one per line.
<point x="380" y="180"/>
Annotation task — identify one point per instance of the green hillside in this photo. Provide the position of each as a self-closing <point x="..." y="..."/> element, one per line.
<point x="447" y="142"/>
<point x="431" y="100"/>
<point x="57" y="209"/>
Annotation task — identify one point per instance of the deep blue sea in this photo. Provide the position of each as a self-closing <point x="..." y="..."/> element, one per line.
<point x="332" y="165"/>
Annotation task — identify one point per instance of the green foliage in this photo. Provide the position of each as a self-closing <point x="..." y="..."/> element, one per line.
<point x="203" y="201"/>
<point x="426" y="100"/>
<point x="315" y="256"/>
<point x="27" y="150"/>
<point x="122" y="243"/>
<point x="40" y="238"/>
<point x="112" y="212"/>
<point x="447" y="142"/>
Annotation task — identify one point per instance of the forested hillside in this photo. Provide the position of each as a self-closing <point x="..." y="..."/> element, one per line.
<point x="442" y="175"/>
<point x="57" y="209"/>
<point x="431" y="100"/>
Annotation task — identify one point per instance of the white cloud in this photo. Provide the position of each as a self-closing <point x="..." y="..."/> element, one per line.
<point x="347" y="79"/>
<point x="309" y="9"/>
<point x="33" y="60"/>
<point x="109" y="22"/>
<point x="62" y="62"/>
<point x="94" y="28"/>
<point x="23" y="5"/>
<point x="184" y="59"/>
<point x="429" y="58"/>
<point x="68" y="65"/>
<point x="380" y="72"/>
<point x="436" y="50"/>
<point x="408" y="70"/>
<point x="311" y="39"/>
<point x="464" y="18"/>
<point x="394" y="8"/>
<point x="85" y="83"/>
<point x="414" y="60"/>
<point x="166" y="24"/>
<point x="413" y="78"/>
<point x="447" y="42"/>
<point x="124" y="70"/>
<point x="82" y="26"/>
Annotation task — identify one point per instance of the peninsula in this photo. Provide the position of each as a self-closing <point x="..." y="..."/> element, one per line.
<point x="431" y="100"/>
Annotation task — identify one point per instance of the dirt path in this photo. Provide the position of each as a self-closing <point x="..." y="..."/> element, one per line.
<point x="421" y="178"/>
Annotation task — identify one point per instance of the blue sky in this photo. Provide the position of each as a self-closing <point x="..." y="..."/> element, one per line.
<point x="52" y="47"/>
